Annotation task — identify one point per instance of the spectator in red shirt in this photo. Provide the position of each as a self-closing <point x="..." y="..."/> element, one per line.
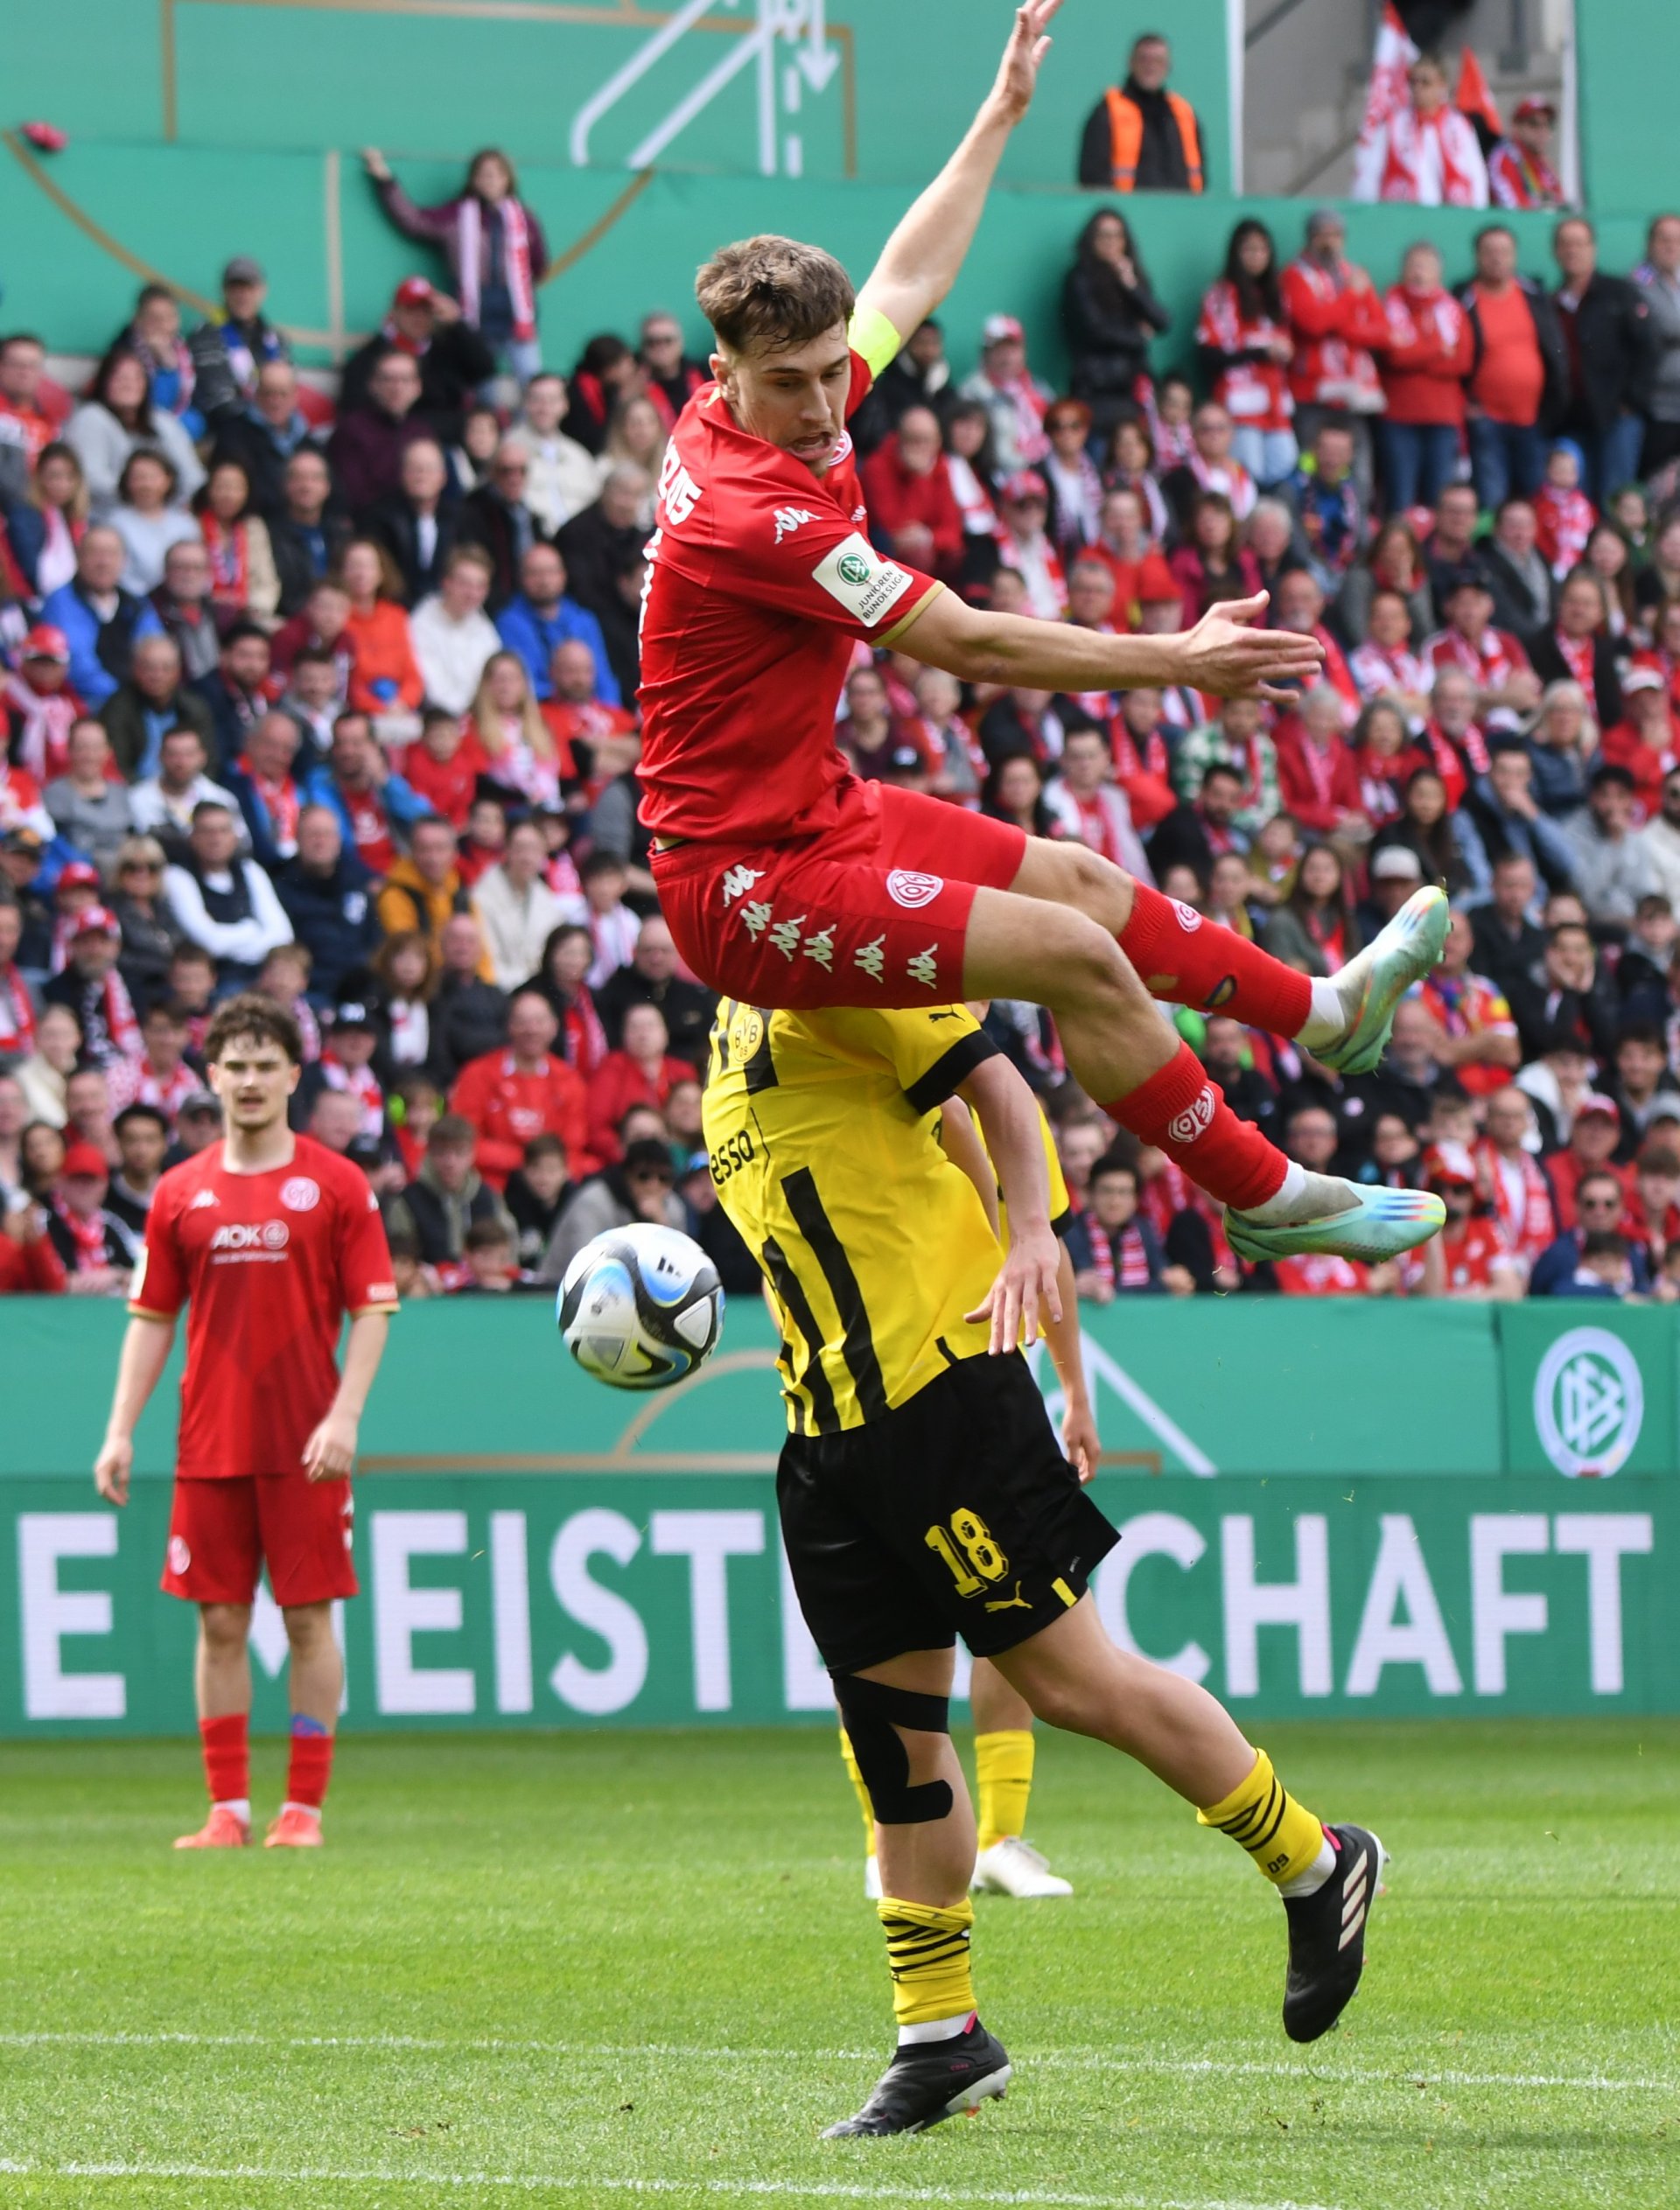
<point x="1516" y="1183"/>
<point x="911" y="503"/>
<point x="1337" y="323"/>
<point x="443" y="767"/>
<point x="1519" y="375"/>
<point x="526" y="1090"/>
<point x="1317" y="776"/>
<point x="1594" y="1137"/>
<point x="1468" y="1259"/>
<point x="29" y="1265"/>
<point x="1429" y="353"/>
<point x="642" y="1071"/>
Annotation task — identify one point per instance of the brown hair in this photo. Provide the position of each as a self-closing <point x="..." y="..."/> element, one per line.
<point x="401" y="940"/>
<point x="258" y="1018"/>
<point x="772" y="294"/>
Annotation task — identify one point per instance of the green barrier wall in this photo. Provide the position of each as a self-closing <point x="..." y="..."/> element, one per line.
<point x="1327" y="1508"/>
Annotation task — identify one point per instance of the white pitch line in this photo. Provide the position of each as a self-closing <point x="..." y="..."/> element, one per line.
<point x="1072" y="2059"/>
<point x="541" y="2182"/>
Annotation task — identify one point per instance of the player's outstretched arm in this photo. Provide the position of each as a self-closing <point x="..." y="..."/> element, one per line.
<point x="145" y="1353"/>
<point x="1224" y="654"/>
<point x="1026" y="1285"/>
<point x="331" y="1451"/>
<point x="920" y="260"/>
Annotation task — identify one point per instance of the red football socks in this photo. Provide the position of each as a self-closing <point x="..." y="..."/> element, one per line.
<point x="228" y="1758"/>
<point x="1199" y="963"/>
<point x="1181" y="1112"/>
<point x="308" y="1770"/>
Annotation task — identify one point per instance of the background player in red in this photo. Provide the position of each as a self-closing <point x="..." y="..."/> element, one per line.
<point x="788" y="882"/>
<point x="268" y="1239"/>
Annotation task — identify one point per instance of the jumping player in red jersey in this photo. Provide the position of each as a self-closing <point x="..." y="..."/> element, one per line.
<point x="787" y="881"/>
<point x="270" y="1240"/>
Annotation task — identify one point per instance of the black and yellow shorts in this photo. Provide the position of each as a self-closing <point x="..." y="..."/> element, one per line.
<point x="956" y="1514"/>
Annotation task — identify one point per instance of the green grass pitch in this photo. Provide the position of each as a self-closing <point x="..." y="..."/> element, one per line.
<point x="579" y="1969"/>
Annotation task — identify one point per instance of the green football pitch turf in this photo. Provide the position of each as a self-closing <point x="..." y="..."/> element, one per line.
<point x="577" y="1969"/>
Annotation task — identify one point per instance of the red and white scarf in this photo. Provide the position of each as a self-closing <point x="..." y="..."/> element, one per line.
<point x="17" y="1015"/>
<point x="1253" y="392"/>
<point x="88" y="1236"/>
<point x="1174" y="441"/>
<point x="583" y="1035"/>
<point x="1519" y="178"/>
<point x="1409" y="312"/>
<point x="132" y="1082"/>
<point x="1577" y="658"/>
<point x="1526" y="1218"/>
<point x="516" y="262"/>
<point x="1564" y="523"/>
<point x="283" y="802"/>
<point x="1230" y="478"/>
<point x="1118" y="1257"/>
<point x="228" y="546"/>
<point x="1376" y="669"/>
<point x="1431" y="161"/>
<point x="361" y="1083"/>
<point x="42" y="742"/>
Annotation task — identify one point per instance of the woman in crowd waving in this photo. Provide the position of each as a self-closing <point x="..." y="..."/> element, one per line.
<point x="494" y="246"/>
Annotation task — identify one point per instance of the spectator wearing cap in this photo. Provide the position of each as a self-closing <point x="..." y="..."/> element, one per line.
<point x="1430" y="350"/>
<point x="912" y="508"/>
<point x="1611" y="868"/>
<point x="1014" y="398"/>
<point x="1579" y="649"/>
<point x="37" y="709"/>
<point x="98" y="1250"/>
<point x="541" y="618"/>
<point x="523" y="1090"/>
<point x="1469" y="1259"/>
<point x="1425" y="152"/>
<point x="99" y="621"/>
<point x="265" y="433"/>
<point x="1610" y="353"/>
<point x="516" y="909"/>
<point x="229" y="350"/>
<point x="1519" y="379"/>
<point x="141" y="1132"/>
<point x="89" y="804"/>
<point x="91" y="986"/>
<point x="419" y="522"/>
<point x="1211" y="466"/>
<point x="1494" y="659"/>
<point x="325" y="892"/>
<point x="1657" y="282"/>
<point x="1594" y="1138"/>
<point x="1109" y="316"/>
<point x="1338" y="325"/>
<point x="494" y="246"/>
<point x="116" y="420"/>
<point x="1141" y="136"/>
<point x="1026" y="546"/>
<point x="366" y="446"/>
<point x="1645" y="743"/>
<point x="225" y="902"/>
<point x="451" y="355"/>
<point x="1520" y="173"/>
<point x="347" y="1064"/>
<point x="642" y="1186"/>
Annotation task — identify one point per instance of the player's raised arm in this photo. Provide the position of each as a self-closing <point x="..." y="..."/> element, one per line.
<point x="145" y="1353"/>
<point x="1224" y="654"/>
<point x="920" y="260"/>
<point x="1027" y="1283"/>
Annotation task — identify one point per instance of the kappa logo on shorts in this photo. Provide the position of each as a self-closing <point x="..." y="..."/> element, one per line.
<point x="1195" y="1120"/>
<point x="300" y="1195"/>
<point x="785" y="936"/>
<point x="924" y="967"/>
<point x="757" y="916"/>
<point x="181" y="1558"/>
<point x="821" y="948"/>
<point x="1188" y="917"/>
<point x="737" y="881"/>
<point x="908" y="886"/>
<point x="871" y="958"/>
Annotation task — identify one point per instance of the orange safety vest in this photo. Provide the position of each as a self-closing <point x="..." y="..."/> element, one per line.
<point x="1126" y="138"/>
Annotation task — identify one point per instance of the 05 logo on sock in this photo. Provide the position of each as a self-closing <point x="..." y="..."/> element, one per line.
<point x="1195" y="1120"/>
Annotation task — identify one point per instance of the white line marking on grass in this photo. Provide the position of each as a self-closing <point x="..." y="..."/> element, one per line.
<point x="539" y="2182"/>
<point x="1074" y="2059"/>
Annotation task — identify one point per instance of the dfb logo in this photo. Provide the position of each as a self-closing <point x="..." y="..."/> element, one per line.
<point x="905" y="886"/>
<point x="1195" y="1120"/>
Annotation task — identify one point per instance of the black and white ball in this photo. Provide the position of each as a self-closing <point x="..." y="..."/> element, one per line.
<point x="641" y="1307"/>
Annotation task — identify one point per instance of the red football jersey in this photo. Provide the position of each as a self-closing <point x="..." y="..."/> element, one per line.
<point x="267" y="1265"/>
<point x="760" y="577"/>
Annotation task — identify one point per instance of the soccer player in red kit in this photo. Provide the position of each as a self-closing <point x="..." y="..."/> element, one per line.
<point x="788" y="882"/>
<point x="268" y="1239"/>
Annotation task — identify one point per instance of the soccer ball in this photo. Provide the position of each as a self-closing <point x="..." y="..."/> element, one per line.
<point x="641" y="1307"/>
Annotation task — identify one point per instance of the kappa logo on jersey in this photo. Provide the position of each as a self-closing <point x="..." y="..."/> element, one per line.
<point x="251" y="1235"/>
<point x="867" y="587"/>
<point x="906" y="886"/>
<point x="1195" y="1120"/>
<point x="203" y="1199"/>
<point x="678" y="492"/>
<point x="737" y="881"/>
<point x="788" y="519"/>
<point x="300" y="1195"/>
<point x="757" y="917"/>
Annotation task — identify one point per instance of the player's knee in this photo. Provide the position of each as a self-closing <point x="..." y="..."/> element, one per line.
<point x="1087" y="961"/>
<point x="872" y="1712"/>
<point x="1091" y="880"/>
<point x="1059" y="1698"/>
<point x="225" y="1627"/>
<point x="308" y="1626"/>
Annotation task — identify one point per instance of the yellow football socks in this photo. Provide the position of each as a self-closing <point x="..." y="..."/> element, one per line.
<point x="1281" y="1835"/>
<point x="927" y="1956"/>
<point x="863" y="1803"/>
<point x="1003" y="1772"/>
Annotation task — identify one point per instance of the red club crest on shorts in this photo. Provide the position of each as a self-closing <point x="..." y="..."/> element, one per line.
<point x="1195" y="1120"/>
<point x="906" y="886"/>
<point x="180" y="1558"/>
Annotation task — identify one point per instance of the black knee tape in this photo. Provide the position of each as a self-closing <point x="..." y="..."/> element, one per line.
<point x="873" y="1713"/>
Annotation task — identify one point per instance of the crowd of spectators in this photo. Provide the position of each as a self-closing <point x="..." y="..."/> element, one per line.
<point x="334" y="696"/>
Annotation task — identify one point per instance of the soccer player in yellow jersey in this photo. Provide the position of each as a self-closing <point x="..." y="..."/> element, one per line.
<point x="922" y="1495"/>
<point x="1004" y="1752"/>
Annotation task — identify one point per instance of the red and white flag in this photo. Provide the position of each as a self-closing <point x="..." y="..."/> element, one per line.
<point x="1473" y="99"/>
<point x="1388" y="90"/>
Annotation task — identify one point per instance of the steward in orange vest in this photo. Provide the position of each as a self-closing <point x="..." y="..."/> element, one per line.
<point x="1140" y="136"/>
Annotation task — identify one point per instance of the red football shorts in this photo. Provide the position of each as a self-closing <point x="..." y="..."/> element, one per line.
<point x="873" y="911"/>
<point x="223" y="1532"/>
